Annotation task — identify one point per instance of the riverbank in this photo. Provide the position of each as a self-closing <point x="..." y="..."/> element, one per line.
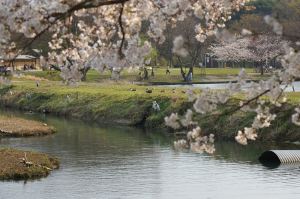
<point x="18" y="127"/>
<point x="12" y="165"/>
<point x="118" y="103"/>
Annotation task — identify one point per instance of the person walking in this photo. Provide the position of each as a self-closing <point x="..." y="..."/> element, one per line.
<point x="5" y="69"/>
<point x="146" y="74"/>
<point x="168" y="71"/>
<point x="152" y="71"/>
<point x="140" y="74"/>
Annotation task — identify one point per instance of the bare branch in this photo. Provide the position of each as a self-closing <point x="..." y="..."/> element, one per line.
<point x="122" y="30"/>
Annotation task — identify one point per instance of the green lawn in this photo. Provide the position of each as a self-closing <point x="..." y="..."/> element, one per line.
<point x="212" y="74"/>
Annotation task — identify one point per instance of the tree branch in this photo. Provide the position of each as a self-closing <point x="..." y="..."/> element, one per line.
<point x="122" y="30"/>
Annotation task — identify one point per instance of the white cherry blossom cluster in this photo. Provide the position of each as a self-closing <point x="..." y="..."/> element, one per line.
<point x="198" y="143"/>
<point x="277" y="26"/>
<point x="172" y="121"/>
<point x="295" y="117"/>
<point x="181" y="145"/>
<point x="178" y="46"/>
<point x="190" y="94"/>
<point x="290" y="63"/>
<point x="248" y="134"/>
<point x="188" y="119"/>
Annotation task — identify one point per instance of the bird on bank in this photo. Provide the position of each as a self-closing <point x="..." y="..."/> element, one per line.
<point x="37" y="83"/>
<point x="148" y="91"/>
<point x="174" y="89"/>
<point x="134" y="89"/>
<point x="130" y="89"/>
<point x="155" y="106"/>
<point x="68" y="99"/>
<point x="28" y="96"/>
<point x="183" y="91"/>
<point x="163" y="90"/>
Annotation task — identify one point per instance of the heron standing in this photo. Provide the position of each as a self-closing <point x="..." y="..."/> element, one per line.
<point x="155" y="106"/>
<point x="68" y="99"/>
<point x="37" y="83"/>
<point x="28" y="96"/>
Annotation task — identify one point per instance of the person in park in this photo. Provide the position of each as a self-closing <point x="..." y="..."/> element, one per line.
<point x="189" y="77"/>
<point x="146" y="74"/>
<point x="5" y="70"/>
<point x="152" y="71"/>
<point x="140" y="75"/>
<point x="168" y="71"/>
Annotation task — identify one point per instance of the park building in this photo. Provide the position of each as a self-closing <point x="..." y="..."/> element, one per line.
<point x="18" y="63"/>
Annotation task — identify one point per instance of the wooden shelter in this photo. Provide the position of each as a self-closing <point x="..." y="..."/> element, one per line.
<point x="19" y="62"/>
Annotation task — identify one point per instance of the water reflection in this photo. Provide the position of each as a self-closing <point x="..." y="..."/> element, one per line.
<point x="113" y="161"/>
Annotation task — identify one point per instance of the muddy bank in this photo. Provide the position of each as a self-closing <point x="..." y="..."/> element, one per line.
<point x="12" y="165"/>
<point x="18" y="127"/>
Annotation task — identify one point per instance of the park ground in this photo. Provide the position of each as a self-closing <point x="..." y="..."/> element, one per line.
<point x="160" y="76"/>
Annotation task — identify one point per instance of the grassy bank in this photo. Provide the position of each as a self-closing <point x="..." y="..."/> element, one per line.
<point x="17" y="127"/>
<point x="115" y="103"/>
<point x="93" y="101"/>
<point x="12" y="168"/>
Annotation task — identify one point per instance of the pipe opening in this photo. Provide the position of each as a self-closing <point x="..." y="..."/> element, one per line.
<point x="269" y="156"/>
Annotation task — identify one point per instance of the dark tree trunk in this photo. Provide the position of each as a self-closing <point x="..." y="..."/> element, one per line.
<point x="261" y="68"/>
<point x="181" y="70"/>
<point x="84" y="72"/>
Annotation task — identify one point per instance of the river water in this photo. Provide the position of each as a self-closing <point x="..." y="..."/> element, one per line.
<point x="112" y="161"/>
<point x="225" y="85"/>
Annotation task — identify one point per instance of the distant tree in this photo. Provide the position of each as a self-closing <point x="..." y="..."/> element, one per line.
<point x="260" y="49"/>
<point x="252" y="22"/>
